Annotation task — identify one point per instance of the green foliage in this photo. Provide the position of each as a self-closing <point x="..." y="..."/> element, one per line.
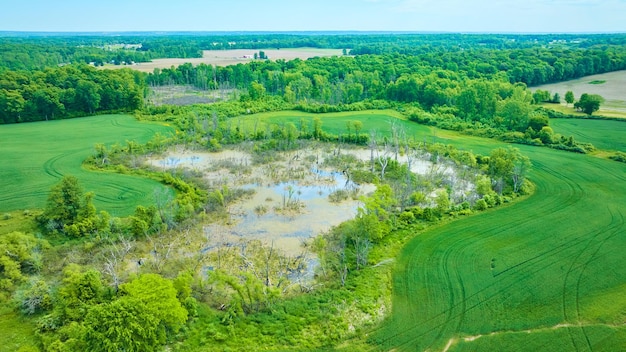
<point x="80" y="289"/>
<point x="20" y="256"/>
<point x="159" y="297"/>
<point x="35" y="297"/>
<point x="126" y="324"/>
<point x="64" y="204"/>
<point x="508" y="167"/>
<point x="589" y="103"/>
<point x="569" y="97"/>
<point x="481" y="204"/>
<point x="69" y="91"/>
<point x="71" y="212"/>
<point x="619" y="156"/>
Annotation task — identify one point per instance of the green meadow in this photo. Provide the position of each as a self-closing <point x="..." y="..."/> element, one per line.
<point x="337" y="123"/>
<point x="34" y="157"/>
<point x="603" y="134"/>
<point x="543" y="274"/>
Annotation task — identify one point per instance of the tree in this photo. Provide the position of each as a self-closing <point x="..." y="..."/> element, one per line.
<point x="88" y="96"/>
<point x="46" y="102"/>
<point x="11" y="104"/>
<point x="64" y="203"/>
<point x="159" y="297"/>
<point x="71" y="212"/>
<point x="79" y="290"/>
<point x="125" y="324"/>
<point x="569" y="97"/>
<point x="507" y="166"/>
<point x="19" y="257"/>
<point x="589" y="103"/>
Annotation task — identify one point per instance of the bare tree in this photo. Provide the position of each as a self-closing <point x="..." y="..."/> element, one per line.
<point x="383" y="158"/>
<point x="373" y="146"/>
<point x="115" y="260"/>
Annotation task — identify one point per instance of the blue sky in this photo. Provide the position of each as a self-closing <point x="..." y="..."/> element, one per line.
<point x="314" y="15"/>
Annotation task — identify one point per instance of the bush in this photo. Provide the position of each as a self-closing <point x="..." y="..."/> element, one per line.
<point x="407" y="217"/>
<point x="481" y="205"/>
<point x="34" y="298"/>
<point x="619" y="156"/>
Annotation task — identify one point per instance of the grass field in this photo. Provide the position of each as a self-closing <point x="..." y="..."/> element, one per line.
<point x="16" y="330"/>
<point x="336" y="123"/>
<point x="544" y="274"/>
<point x="603" y="134"/>
<point x="34" y="156"/>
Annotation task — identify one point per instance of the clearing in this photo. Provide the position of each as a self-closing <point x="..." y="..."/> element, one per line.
<point x="612" y="89"/>
<point x="232" y="57"/>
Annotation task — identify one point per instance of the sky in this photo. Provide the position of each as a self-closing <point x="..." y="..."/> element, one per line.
<point x="493" y="16"/>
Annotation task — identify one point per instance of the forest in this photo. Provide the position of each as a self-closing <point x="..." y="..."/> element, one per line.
<point x="75" y="277"/>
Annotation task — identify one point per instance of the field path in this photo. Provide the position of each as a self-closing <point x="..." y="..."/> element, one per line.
<point x="555" y="259"/>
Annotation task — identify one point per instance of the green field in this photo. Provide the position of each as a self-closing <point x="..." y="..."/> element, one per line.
<point x="336" y="123"/>
<point x="34" y="156"/>
<point x="603" y="134"/>
<point x="545" y="274"/>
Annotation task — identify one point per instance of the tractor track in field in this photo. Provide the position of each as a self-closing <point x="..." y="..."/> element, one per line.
<point x="575" y="265"/>
<point x="612" y="232"/>
<point x="50" y="166"/>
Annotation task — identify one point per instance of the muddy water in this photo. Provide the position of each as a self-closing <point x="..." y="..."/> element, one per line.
<point x="286" y="230"/>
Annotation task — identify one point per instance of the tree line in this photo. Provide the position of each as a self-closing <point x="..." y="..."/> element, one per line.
<point x="72" y="90"/>
<point x="38" y="50"/>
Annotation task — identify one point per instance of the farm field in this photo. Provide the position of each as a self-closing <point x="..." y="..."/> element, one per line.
<point x="603" y="134"/>
<point x="233" y="57"/>
<point x="608" y="85"/>
<point x="543" y="274"/>
<point x="34" y="157"/>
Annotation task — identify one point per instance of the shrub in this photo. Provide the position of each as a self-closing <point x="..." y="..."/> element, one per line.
<point x="481" y="205"/>
<point x="619" y="156"/>
<point x="407" y="217"/>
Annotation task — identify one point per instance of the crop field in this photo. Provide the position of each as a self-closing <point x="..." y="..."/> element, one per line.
<point x="544" y="274"/>
<point x="233" y="57"/>
<point x="34" y="157"/>
<point x="603" y="134"/>
<point x="608" y="85"/>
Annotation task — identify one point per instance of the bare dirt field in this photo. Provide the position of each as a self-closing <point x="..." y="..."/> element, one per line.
<point x="233" y="57"/>
<point x="612" y="89"/>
